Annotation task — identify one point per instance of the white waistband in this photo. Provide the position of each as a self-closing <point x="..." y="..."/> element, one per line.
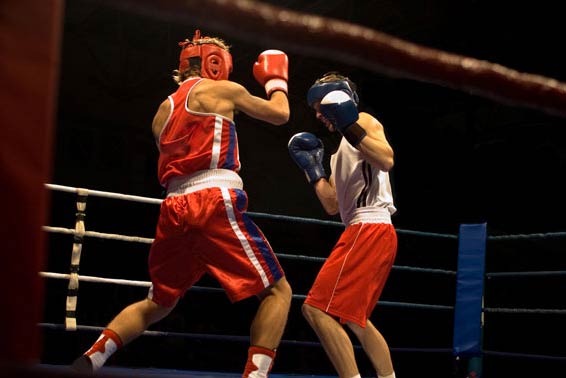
<point x="212" y="178"/>
<point x="370" y="215"/>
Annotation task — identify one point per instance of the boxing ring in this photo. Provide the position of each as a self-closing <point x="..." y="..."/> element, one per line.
<point x="304" y="34"/>
<point x="74" y="291"/>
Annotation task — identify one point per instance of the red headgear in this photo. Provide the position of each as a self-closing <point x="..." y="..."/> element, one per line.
<point x="215" y="62"/>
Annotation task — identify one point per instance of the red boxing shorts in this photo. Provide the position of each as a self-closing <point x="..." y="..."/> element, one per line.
<point x="351" y="280"/>
<point x="208" y="231"/>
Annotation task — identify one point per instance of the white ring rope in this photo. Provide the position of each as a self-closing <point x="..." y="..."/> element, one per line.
<point x="97" y="193"/>
<point x="116" y="281"/>
<point x="100" y="235"/>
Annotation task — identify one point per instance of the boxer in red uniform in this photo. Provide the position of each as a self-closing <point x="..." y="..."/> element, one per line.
<point x="203" y="226"/>
<point x="351" y="280"/>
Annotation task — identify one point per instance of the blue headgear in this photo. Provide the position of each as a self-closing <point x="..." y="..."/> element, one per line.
<point x="319" y="90"/>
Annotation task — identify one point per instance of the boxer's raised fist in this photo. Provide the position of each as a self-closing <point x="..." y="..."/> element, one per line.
<point x="271" y="71"/>
<point x="307" y="151"/>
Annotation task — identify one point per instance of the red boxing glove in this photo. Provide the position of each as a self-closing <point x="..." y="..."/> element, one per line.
<point x="271" y="71"/>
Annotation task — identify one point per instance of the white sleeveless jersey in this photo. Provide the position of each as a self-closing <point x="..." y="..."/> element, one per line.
<point x="364" y="192"/>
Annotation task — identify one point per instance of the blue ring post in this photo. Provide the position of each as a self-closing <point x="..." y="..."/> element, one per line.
<point x="467" y="341"/>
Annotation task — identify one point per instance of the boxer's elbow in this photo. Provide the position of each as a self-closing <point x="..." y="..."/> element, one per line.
<point x="281" y="117"/>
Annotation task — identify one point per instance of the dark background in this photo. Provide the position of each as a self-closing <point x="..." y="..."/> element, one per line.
<point x="459" y="159"/>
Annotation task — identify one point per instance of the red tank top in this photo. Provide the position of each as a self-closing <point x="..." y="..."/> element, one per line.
<point x="191" y="141"/>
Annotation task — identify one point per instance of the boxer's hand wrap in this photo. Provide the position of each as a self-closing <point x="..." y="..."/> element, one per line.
<point x="307" y="151"/>
<point x="340" y="110"/>
<point x="271" y="71"/>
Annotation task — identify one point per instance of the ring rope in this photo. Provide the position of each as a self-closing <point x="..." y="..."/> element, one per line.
<point x="156" y="201"/>
<point x="525" y="311"/>
<point x="207" y="336"/>
<point x="116" y="281"/>
<point x="300" y="296"/>
<point x="98" y="193"/>
<point x="524" y="355"/>
<point x="203" y="336"/>
<point x="317" y="36"/>
<point x="424" y="270"/>
<point x="125" y="282"/>
<point x="542" y="273"/>
<point x="547" y="235"/>
<point x="395" y="267"/>
<point x="289" y="218"/>
<point x="101" y="235"/>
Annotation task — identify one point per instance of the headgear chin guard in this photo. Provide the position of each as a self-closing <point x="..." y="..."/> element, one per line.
<point x="215" y="62"/>
<point x="318" y="90"/>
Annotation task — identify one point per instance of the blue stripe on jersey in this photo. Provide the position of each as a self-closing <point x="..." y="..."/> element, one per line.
<point x="230" y="162"/>
<point x="256" y="236"/>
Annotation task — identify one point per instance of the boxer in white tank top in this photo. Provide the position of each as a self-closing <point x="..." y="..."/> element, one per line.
<point x="350" y="282"/>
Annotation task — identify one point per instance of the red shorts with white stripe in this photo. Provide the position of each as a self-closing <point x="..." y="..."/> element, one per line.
<point x="351" y="280"/>
<point x="208" y="231"/>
